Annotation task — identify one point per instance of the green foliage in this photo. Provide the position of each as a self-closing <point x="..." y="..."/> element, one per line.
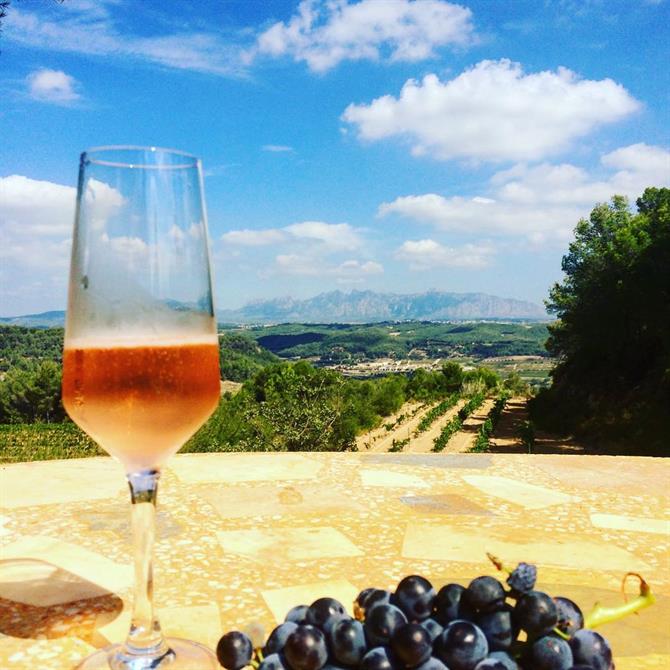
<point x="435" y="412"/>
<point x="526" y="433"/>
<point x="440" y="442"/>
<point x="37" y="344"/>
<point x="470" y="406"/>
<point x="335" y="343"/>
<point x="241" y="357"/>
<point x="31" y="392"/>
<point x="44" y="441"/>
<point x="453" y="376"/>
<point x="515" y="383"/>
<point x="398" y="445"/>
<point x="612" y="339"/>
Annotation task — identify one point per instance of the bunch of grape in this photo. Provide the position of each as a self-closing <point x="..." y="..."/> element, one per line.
<point x="484" y="626"/>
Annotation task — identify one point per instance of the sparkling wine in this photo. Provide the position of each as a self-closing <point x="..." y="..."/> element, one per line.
<point x="141" y="402"/>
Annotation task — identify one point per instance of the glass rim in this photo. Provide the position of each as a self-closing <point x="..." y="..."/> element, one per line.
<point x="87" y="157"/>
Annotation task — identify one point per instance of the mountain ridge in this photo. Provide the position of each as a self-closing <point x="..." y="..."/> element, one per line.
<point x="352" y="307"/>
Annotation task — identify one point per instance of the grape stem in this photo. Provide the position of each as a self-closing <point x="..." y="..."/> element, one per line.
<point x="498" y="563"/>
<point x="600" y="615"/>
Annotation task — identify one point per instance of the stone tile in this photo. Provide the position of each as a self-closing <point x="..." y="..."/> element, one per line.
<point x="232" y="502"/>
<point x="280" y="601"/>
<point x="445" y="461"/>
<point x="30" y="654"/>
<point x="518" y="492"/>
<point x="632" y="523"/>
<point x="287" y="544"/>
<point x="42" y="584"/>
<point x="201" y="623"/>
<point x="608" y="473"/>
<point x="651" y="662"/>
<point x="443" y="542"/>
<point x="390" y="478"/>
<point x="445" y="504"/>
<point x="60" y="481"/>
<point x="3" y="520"/>
<point x="199" y="468"/>
<point x="25" y="558"/>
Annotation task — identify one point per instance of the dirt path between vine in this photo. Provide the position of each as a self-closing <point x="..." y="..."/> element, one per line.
<point x="465" y="438"/>
<point x="506" y="438"/>
<point x="423" y="442"/>
<point x="380" y="439"/>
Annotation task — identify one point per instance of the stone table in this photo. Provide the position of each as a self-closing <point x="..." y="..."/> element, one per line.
<point x="244" y="537"/>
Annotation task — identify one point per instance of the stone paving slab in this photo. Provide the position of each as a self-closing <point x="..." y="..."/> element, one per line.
<point x="243" y="537"/>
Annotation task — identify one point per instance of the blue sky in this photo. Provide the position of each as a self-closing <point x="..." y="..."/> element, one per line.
<point x="392" y="145"/>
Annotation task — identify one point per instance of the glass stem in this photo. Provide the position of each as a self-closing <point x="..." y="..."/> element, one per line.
<point x="145" y="638"/>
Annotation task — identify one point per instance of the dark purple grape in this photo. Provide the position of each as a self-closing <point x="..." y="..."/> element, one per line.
<point x="591" y="648"/>
<point x="551" y="653"/>
<point x="447" y="603"/>
<point x="433" y="628"/>
<point x="324" y="612"/>
<point x="490" y="664"/>
<point x="273" y="662"/>
<point x="278" y="638"/>
<point x="484" y="594"/>
<point x="503" y="657"/>
<point x="379" y="658"/>
<point x="570" y="617"/>
<point x="347" y="641"/>
<point x="370" y="598"/>
<point x="411" y="643"/>
<point x="535" y="612"/>
<point x="461" y="645"/>
<point x="234" y="650"/>
<point x="497" y="626"/>
<point x="432" y="664"/>
<point x="382" y="621"/>
<point x="415" y="596"/>
<point x="305" y="648"/>
<point x="297" y="614"/>
<point x="522" y="579"/>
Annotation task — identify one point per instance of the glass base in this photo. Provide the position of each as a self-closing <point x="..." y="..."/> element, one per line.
<point x="182" y="655"/>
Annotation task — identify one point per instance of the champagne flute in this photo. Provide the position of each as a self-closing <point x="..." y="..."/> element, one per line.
<point x="141" y="355"/>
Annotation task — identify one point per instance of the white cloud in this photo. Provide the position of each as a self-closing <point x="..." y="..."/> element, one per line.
<point x="639" y="158"/>
<point x="254" y="238"/>
<point x="88" y="28"/>
<point x="323" y="34"/>
<point x="276" y="148"/>
<point x="331" y="236"/>
<point x="52" y="86"/>
<point x="427" y="254"/>
<point x="539" y="203"/>
<point x="493" y="111"/>
<point x="310" y="266"/>
<point x="36" y="219"/>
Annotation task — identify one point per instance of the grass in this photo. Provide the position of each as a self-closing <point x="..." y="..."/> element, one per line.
<point x="43" y="442"/>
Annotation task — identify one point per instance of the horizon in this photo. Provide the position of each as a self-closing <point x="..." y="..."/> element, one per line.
<point x="394" y="147"/>
<point x="346" y="293"/>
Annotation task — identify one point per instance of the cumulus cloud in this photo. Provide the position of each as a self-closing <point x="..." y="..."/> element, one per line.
<point x="333" y="236"/>
<point x="89" y="28"/>
<point x="37" y="219"/>
<point x="52" y="86"/>
<point x="427" y="254"/>
<point x="309" y="266"/>
<point x="323" y="34"/>
<point x="493" y="111"/>
<point x="541" y="202"/>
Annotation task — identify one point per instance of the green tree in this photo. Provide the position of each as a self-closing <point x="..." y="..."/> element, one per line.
<point x="453" y="376"/>
<point x="32" y="392"/>
<point x="612" y="336"/>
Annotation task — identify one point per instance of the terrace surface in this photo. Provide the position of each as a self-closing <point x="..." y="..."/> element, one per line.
<point x="244" y="537"/>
